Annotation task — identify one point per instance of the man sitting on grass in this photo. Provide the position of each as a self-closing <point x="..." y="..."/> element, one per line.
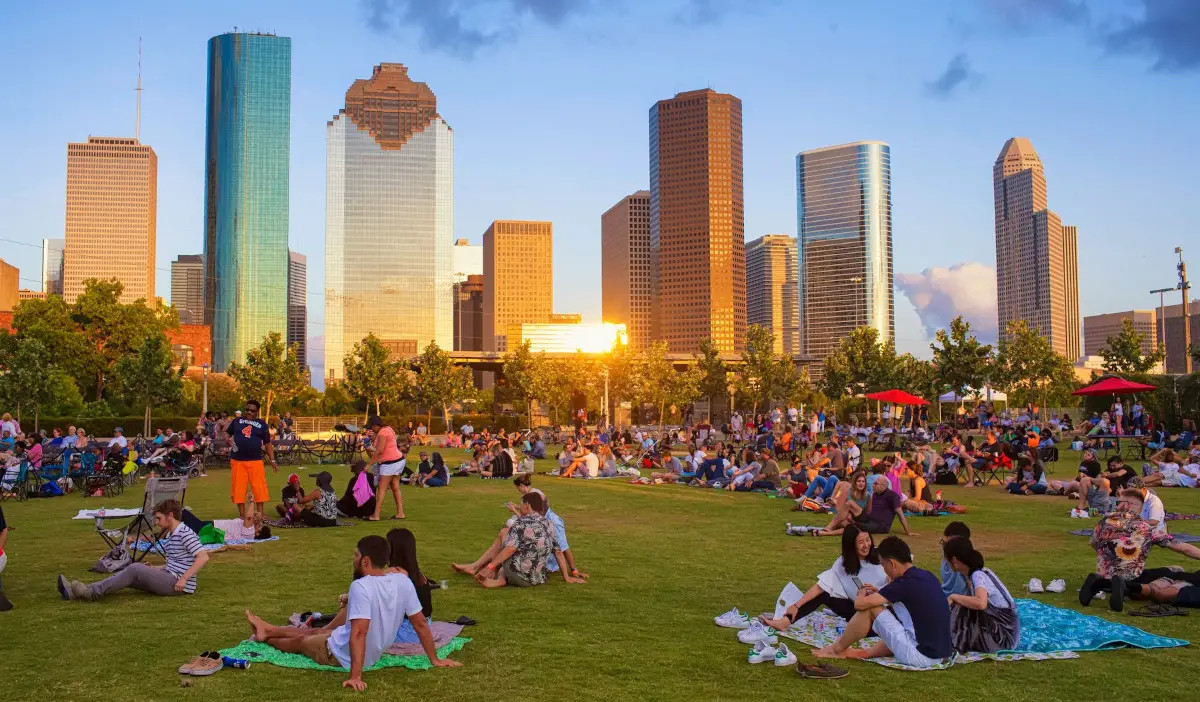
<point x="378" y="603"/>
<point x="185" y="558"/>
<point x="519" y="558"/>
<point x="910" y="614"/>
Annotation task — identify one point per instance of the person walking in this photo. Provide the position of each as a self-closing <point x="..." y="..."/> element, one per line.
<point x="251" y="439"/>
<point x="389" y="462"/>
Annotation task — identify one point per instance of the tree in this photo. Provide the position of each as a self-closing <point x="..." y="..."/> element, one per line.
<point x="959" y="359"/>
<point x="714" y="375"/>
<point x="49" y="321"/>
<point x="372" y="375"/>
<point x="335" y="401"/>
<point x="148" y="377"/>
<point x="861" y="363"/>
<point x="64" y="398"/>
<point x="519" y="377"/>
<point x="552" y="384"/>
<point x="663" y="385"/>
<point x="1122" y="353"/>
<point x="440" y="383"/>
<point x="1028" y="368"/>
<point x="271" y="372"/>
<point x="917" y="376"/>
<point x="622" y="365"/>
<point x="113" y="329"/>
<point x="762" y="374"/>
<point x="27" y="380"/>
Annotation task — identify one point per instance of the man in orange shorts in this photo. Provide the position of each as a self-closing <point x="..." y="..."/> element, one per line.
<point x="251" y="438"/>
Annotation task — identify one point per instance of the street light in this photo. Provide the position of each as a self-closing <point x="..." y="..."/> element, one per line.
<point x="1162" y="321"/>
<point x="1187" y="317"/>
<point x="205" y="409"/>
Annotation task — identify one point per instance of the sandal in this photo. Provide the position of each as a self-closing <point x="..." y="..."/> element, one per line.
<point x="823" y="671"/>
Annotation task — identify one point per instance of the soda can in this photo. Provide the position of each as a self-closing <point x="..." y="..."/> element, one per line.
<point x="241" y="663"/>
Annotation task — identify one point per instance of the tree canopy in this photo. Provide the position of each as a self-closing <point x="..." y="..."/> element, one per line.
<point x="1122" y="352"/>
<point x="271" y="372"/>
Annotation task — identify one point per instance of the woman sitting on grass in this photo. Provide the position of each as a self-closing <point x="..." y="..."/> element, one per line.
<point x="984" y="620"/>
<point x="1028" y="478"/>
<point x="358" y="501"/>
<point x="853" y="500"/>
<point x="404" y="561"/>
<point x="319" y="507"/>
<point x="836" y="588"/>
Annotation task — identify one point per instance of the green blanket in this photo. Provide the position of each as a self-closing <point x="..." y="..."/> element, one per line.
<point x="257" y="652"/>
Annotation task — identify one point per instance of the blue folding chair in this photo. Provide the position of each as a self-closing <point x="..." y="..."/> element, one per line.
<point x="87" y="468"/>
<point x="14" y="482"/>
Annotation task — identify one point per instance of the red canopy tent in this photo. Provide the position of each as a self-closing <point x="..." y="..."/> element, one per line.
<point x="897" y="397"/>
<point x="1112" y="385"/>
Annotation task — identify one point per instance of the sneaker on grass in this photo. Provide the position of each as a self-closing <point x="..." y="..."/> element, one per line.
<point x="733" y="619"/>
<point x="757" y="631"/>
<point x="784" y="657"/>
<point x="761" y="653"/>
<point x="1057" y="585"/>
<point x="1035" y="586"/>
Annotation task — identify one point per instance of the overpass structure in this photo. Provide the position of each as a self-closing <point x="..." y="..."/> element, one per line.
<point x="494" y="360"/>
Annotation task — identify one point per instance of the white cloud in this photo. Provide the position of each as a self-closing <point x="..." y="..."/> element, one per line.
<point x="941" y="294"/>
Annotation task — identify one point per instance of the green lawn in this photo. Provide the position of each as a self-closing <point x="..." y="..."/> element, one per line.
<point x="664" y="560"/>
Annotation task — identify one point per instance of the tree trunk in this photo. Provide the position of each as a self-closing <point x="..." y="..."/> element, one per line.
<point x="36" y="411"/>
<point x="662" y="406"/>
<point x="266" y="415"/>
<point x="99" y="386"/>
<point x="146" y="421"/>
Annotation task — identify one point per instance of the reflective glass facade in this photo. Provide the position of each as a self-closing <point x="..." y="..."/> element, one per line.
<point x="246" y="191"/>
<point x="389" y="220"/>
<point x="844" y="220"/>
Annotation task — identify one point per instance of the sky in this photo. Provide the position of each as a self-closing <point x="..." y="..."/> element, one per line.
<point x="549" y="101"/>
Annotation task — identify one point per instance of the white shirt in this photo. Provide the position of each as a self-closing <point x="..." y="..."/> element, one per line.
<point x="10" y="426"/>
<point x="118" y="441"/>
<point x="853" y="457"/>
<point x="591" y="464"/>
<point x="1152" y="510"/>
<point x="736" y="422"/>
<point x="792" y="413"/>
<point x="235" y="529"/>
<point x="998" y="597"/>
<point x="385" y="600"/>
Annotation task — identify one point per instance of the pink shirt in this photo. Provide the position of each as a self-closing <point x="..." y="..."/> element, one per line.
<point x="385" y="442"/>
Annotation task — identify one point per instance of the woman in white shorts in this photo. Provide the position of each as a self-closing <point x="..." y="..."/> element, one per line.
<point x="389" y="462"/>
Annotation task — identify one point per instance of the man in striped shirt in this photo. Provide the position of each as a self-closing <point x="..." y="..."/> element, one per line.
<point x="185" y="558"/>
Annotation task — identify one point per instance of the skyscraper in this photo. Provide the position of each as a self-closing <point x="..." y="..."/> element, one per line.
<point x="1037" y="268"/>
<point x="389" y="219"/>
<point x="625" y="266"/>
<point x="297" y="316"/>
<point x="518" y="280"/>
<point x="9" y="284"/>
<point x="467" y="259"/>
<point x="844" y="217"/>
<point x="247" y="148"/>
<point x="697" y="227"/>
<point x="187" y="288"/>
<point x="52" y="266"/>
<point x="773" y="289"/>
<point x="112" y="209"/>
<point x="468" y="314"/>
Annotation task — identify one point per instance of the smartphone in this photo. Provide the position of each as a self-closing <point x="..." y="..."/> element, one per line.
<point x="857" y="583"/>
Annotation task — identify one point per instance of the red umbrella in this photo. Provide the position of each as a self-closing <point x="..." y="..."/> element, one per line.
<point x="897" y="397"/>
<point x="1112" y="385"/>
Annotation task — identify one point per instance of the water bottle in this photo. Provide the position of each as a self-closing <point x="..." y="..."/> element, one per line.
<point x="240" y="663"/>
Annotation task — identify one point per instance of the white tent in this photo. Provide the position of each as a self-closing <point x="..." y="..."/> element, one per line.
<point x="973" y="395"/>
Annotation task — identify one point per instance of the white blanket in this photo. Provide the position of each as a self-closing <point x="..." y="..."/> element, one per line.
<point x="93" y="513"/>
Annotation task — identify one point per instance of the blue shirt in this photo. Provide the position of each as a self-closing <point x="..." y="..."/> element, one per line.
<point x="953" y="583"/>
<point x="921" y="594"/>
<point x="249" y="437"/>
<point x="560" y="531"/>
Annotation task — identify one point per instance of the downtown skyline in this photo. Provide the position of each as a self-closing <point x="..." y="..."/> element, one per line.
<point x="940" y="142"/>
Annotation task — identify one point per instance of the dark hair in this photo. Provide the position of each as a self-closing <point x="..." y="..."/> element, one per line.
<point x="894" y="548"/>
<point x="957" y="529"/>
<point x="325" y="481"/>
<point x="358" y="466"/>
<point x="404" y="554"/>
<point x="1113" y="459"/>
<point x="264" y="532"/>
<point x="522" y="480"/>
<point x="171" y="507"/>
<point x="963" y="550"/>
<point x="850" y="561"/>
<point x="376" y="548"/>
<point x="253" y="402"/>
<point x="1134" y="493"/>
<point x="535" y="501"/>
<point x="374" y="421"/>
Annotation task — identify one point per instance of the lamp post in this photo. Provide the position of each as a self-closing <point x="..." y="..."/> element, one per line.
<point x="1187" y="317"/>
<point x="1162" y="321"/>
<point x="205" y="400"/>
<point x="607" y="417"/>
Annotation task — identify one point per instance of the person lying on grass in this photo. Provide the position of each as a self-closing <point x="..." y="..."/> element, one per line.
<point x="240" y="529"/>
<point x="185" y="558"/>
<point x="836" y="587"/>
<point x="378" y="603"/>
<point x="985" y="618"/>
<point x="909" y="614"/>
<point x="1168" y="471"/>
<point x="520" y="555"/>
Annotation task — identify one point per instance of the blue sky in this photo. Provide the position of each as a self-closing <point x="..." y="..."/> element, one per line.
<point x="548" y="100"/>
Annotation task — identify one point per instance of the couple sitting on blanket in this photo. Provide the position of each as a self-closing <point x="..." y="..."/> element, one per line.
<point x="870" y="509"/>
<point x="880" y="592"/>
<point x="532" y="543"/>
<point x="384" y="606"/>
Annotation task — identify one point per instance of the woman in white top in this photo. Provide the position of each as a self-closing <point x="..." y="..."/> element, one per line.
<point x="985" y="619"/>
<point x="837" y="587"/>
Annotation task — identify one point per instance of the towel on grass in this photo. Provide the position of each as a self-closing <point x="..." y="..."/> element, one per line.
<point x="1177" y="515"/>
<point x="108" y="513"/>
<point x="257" y="652"/>
<point x="284" y="524"/>
<point x="443" y="633"/>
<point x="1185" y="538"/>
<point x="144" y="545"/>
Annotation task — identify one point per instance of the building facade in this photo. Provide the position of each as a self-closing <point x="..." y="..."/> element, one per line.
<point x="52" y="266"/>
<point x="1097" y="329"/>
<point x="10" y="283"/>
<point x="297" y="295"/>
<point x="559" y="337"/>
<point x="31" y="295"/>
<point x="112" y="210"/>
<point x="1179" y="337"/>
<point x="467" y="259"/>
<point x="389" y="219"/>
<point x="468" y="314"/>
<point x="773" y="289"/>
<point x="1037" y="269"/>
<point x="625" y="266"/>
<point x="518" y="278"/>
<point x="187" y="288"/>
<point x="246" y="170"/>
<point x="844" y="220"/>
<point x="697" y="222"/>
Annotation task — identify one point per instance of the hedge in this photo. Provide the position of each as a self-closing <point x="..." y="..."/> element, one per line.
<point x="103" y="426"/>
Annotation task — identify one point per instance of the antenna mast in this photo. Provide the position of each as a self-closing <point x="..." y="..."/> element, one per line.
<point x="138" y="127"/>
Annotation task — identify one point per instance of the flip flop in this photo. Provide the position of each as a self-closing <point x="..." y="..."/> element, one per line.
<point x="1159" y="610"/>
<point x="398" y="518"/>
<point x="464" y="620"/>
<point x="823" y="671"/>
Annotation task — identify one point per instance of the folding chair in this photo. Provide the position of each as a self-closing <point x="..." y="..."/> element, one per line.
<point x="141" y="527"/>
<point x="13" y="482"/>
<point x="87" y="468"/>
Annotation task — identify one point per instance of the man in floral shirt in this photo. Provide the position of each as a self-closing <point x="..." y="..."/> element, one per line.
<point x="1122" y="540"/>
<point x="530" y="543"/>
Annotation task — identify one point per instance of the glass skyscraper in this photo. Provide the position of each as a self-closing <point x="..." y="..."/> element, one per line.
<point x="844" y="220"/>
<point x="389" y="219"/>
<point x="246" y="191"/>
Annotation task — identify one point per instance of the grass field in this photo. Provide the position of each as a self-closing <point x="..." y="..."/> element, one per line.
<point x="664" y="560"/>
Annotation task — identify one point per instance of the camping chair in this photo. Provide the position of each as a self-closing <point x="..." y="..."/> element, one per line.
<point x="141" y="527"/>
<point x="1048" y="454"/>
<point x="106" y="479"/>
<point x="18" y="486"/>
<point x="87" y="468"/>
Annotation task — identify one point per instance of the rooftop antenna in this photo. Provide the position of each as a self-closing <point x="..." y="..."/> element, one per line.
<point x="138" y="128"/>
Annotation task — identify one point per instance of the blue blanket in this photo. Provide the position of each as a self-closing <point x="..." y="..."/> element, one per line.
<point x="1185" y="538"/>
<point x="1045" y="628"/>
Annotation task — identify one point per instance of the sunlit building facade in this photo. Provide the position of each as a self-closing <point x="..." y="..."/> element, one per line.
<point x="568" y="338"/>
<point x="52" y="266"/>
<point x="518" y="279"/>
<point x="625" y="266"/>
<point x="389" y="219"/>
<point x="187" y="288"/>
<point x="246" y="171"/>
<point x="844" y="220"/>
<point x="772" y="289"/>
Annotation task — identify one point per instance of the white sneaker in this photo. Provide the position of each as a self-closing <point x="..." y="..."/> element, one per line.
<point x="761" y="653"/>
<point x="757" y="631"/>
<point x="733" y="619"/>
<point x="1079" y="514"/>
<point x="1035" y="585"/>
<point x="1057" y="585"/>
<point x="784" y="657"/>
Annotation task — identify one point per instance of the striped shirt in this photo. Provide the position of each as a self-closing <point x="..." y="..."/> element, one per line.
<point x="181" y="547"/>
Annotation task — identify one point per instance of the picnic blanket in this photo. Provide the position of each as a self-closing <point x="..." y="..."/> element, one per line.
<point x="284" y="524"/>
<point x="443" y="633"/>
<point x="263" y="653"/>
<point x="93" y="513"/>
<point x="1185" y="538"/>
<point x="1177" y="515"/>
<point x="143" y="545"/>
